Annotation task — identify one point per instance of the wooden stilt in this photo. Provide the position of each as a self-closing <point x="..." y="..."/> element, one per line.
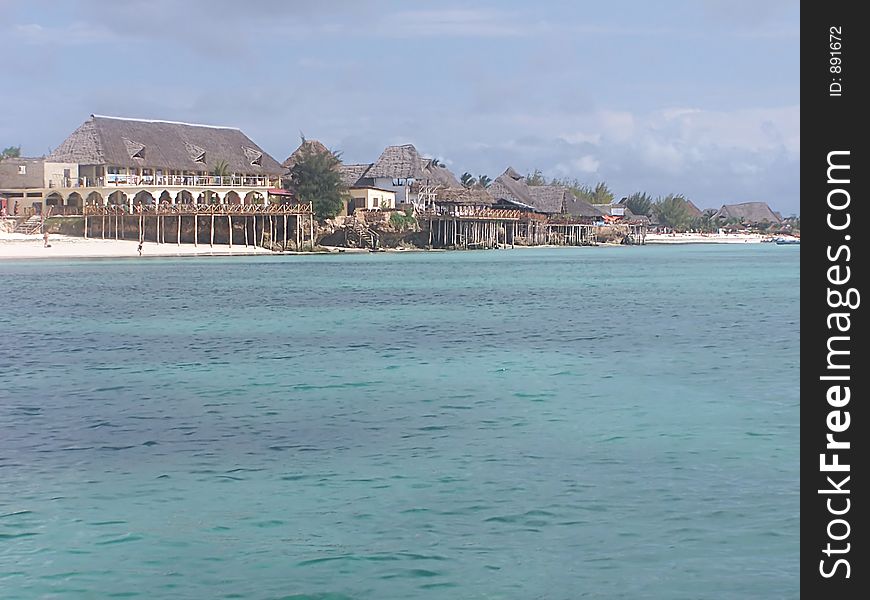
<point x="262" y="233"/>
<point x="284" y="247"/>
<point x="311" y="222"/>
<point x="178" y="231"/>
<point x="211" y="240"/>
<point x="246" y="232"/>
<point x="195" y="230"/>
<point x="230" y="226"/>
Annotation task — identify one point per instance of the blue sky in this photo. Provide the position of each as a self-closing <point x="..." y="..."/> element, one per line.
<point x="699" y="97"/>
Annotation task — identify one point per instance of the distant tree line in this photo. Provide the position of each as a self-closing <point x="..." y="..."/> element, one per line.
<point x="10" y="152"/>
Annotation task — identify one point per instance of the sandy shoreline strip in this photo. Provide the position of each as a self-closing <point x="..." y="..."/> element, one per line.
<point x="704" y="238"/>
<point x="18" y="246"/>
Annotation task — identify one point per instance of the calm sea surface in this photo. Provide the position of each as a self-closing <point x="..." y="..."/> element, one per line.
<point x="592" y="422"/>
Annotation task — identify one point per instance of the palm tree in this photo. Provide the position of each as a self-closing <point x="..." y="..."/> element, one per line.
<point x="467" y="180"/>
<point x="484" y="181"/>
<point x="221" y="169"/>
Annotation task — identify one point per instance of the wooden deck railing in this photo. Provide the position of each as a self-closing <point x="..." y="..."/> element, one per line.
<point x="198" y="209"/>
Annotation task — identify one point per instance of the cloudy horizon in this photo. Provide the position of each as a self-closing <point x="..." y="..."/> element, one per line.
<point x="699" y="98"/>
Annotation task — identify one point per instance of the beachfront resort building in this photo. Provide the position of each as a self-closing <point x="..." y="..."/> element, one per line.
<point x="120" y="161"/>
<point x="511" y="190"/>
<point x="415" y="180"/>
<point x="748" y="213"/>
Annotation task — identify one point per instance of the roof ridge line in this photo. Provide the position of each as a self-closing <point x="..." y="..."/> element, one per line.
<point x="165" y="121"/>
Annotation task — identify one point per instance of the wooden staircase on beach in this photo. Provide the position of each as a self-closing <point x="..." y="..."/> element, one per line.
<point x="30" y="226"/>
<point x="358" y="235"/>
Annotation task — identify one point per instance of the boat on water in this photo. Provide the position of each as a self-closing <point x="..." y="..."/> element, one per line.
<point x="787" y="241"/>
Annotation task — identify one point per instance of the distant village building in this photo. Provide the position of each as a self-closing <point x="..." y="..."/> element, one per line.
<point x="112" y="160"/>
<point x="748" y="213"/>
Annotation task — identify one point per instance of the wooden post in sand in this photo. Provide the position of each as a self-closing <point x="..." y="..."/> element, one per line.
<point x="85" y="216"/>
<point x="178" y="233"/>
<point x="103" y="224"/>
<point x="311" y="208"/>
<point x="195" y="230"/>
<point x="230" y="225"/>
<point x="246" y="232"/>
<point x="211" y="242"/>
<point x="284" y="247"/>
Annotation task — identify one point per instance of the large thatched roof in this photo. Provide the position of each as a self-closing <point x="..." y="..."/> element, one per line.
<point x="511" y="187"/>
<point x="351" y="174"/>
<point x="398" y="162"/>
<point x="694" y="211"/>
<point x="748" y="212"/>
<point x="438" y="175"/>
<point x="119" y="142"/>
<point x="307" y="146"/>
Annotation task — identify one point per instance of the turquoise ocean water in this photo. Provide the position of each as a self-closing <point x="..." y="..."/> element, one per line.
<point x="566" y="423"/>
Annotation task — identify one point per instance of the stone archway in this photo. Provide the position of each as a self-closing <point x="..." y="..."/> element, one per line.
<point x="75" y="200"/>
<point x="118" y="198"/>
<point x="143" y="197"/>
<point x="254" y="198"/>
<point x="54" y="199"/>
<point x="184" y="197"/>
<point x="232" y="198"/>
<point x="95" y="199"/>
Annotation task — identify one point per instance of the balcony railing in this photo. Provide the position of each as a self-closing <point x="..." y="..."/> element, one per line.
<point x="209" y="181"/>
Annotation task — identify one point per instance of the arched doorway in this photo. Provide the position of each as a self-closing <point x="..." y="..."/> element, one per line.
<point x="95" y="199"/>
<point x="117" y="198"/>
<point x="74" y="200"/>
<point x="144" y="198"/>
<point x="232" y="198"/>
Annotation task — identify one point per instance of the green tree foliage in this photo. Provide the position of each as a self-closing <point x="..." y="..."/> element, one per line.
<point x="673" y="211"/>
<point x="484" y="181"/>
<point x="221" y="169"/>
<point x="315" y="178"/>
<point x="11" y="152"/>
<point x="640" y="203"/>
<point x="468" y="180"/>
<point x="601" y="194"/>
<point x="536" y="178"/>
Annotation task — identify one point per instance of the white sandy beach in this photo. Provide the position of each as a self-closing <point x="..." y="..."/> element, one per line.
<point x="705" y="238"/>
<point x="19" y="246"/>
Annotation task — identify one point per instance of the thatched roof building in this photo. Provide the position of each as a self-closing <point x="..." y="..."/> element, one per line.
<point x="510" y="187"/>
<point x="397" y="162"/>
<point x="307" y="146"/>
<point x="694" y="211"/>
<point x="168" y="145"/>
<point x="750" y="213"/>
<point x="353" y="174"/>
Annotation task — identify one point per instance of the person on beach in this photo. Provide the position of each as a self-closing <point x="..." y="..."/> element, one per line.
<point x="45" y="243"/>
<point x="140" y="248"/>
